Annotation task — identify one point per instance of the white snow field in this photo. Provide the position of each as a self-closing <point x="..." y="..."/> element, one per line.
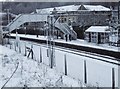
<point x="30" y="72"/>
<point x="99" y="73"/>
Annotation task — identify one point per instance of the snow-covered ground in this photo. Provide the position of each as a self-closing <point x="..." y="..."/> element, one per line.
<point x="99" y="73"/>
<point x="29" y="72"/>
<point x="78" y="42"/>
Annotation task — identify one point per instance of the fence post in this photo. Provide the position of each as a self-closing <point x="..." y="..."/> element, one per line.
<point x="6" y="42"/>
<point x="85" y="72"/>
<point x="47" y="52"/>
<point x="10" y="46"/>
<point x="65" y="64"/>
<point x="54" y="59"/>
<point x="25" y="50"/>
<point x="119" y="76"/>
<point x="15" y="45"/>
<point x="113" y="78"/>
<point x="32" y="51"/>
<point x="19" y="48"/>
<point x="40" y="55"/>
<point x="50" y="58"/>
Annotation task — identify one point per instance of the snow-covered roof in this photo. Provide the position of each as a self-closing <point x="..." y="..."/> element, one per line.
<point x="98" y="29"/>
<point x="96" y="8"/>
<point x="44" y="11"/>
<point x="59" y="9"/>
<point x="68" y="8"/>
<point x="72" y="8"/>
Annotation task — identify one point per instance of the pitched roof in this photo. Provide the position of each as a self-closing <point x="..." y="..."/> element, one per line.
<point x="96" y="8"/>
<point x="98" y="29"/>
<point x="45" y="10"/>
<point x="59" y="9"/>
<point x="68" y="8"/>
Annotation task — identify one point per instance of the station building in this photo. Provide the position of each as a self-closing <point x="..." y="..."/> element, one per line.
<point x="97" y="34"/>
<point x="80" y="15"/>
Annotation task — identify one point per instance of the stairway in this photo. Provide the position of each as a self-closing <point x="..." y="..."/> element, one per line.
<point x="70" y="30"/>
<point x="66" y="29"/>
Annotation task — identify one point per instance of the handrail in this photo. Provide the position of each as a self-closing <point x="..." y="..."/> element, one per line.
<point x="14" y="20"/>
<point x="72" y="32"/>
<point x="19" y="17"/>
<point x="69" y="28"/>
<point x="61" y="26"/>
<point x="66" y="29"/>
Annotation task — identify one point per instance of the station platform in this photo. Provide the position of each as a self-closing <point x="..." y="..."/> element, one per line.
<point x="102" y="49"/>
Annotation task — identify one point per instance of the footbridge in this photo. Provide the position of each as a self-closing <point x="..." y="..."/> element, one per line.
<point x="23" y="18"/>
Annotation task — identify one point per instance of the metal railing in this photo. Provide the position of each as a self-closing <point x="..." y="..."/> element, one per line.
<point x="72" y="32"/>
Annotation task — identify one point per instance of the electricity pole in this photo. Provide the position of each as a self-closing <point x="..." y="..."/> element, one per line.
<point x="8" y="15"/>
<point x="50" y="43"/>
<point x="1" y="38"/>
<point x="50" y="39"/>
<point x="118" y="13"/>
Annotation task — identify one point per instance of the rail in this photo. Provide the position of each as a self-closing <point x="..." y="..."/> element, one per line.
<point x="14" y="20"/>
<point x="72" y="32"/>
<point x="64" y="47"/>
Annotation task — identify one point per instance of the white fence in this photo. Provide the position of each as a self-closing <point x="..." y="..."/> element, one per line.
<point x="88" y="70"/>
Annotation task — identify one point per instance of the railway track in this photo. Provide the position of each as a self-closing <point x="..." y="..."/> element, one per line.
<point x="81" y="53"/>
<point x="76" y="51"/>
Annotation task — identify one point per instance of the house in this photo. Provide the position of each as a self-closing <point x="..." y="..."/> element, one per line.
<point x="97" y="34"/>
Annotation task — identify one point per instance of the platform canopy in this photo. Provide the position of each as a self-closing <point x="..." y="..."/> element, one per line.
<point x="100" y="29"/>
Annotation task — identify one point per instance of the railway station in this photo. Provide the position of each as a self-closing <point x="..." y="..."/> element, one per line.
<point x="68" y="46"/>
